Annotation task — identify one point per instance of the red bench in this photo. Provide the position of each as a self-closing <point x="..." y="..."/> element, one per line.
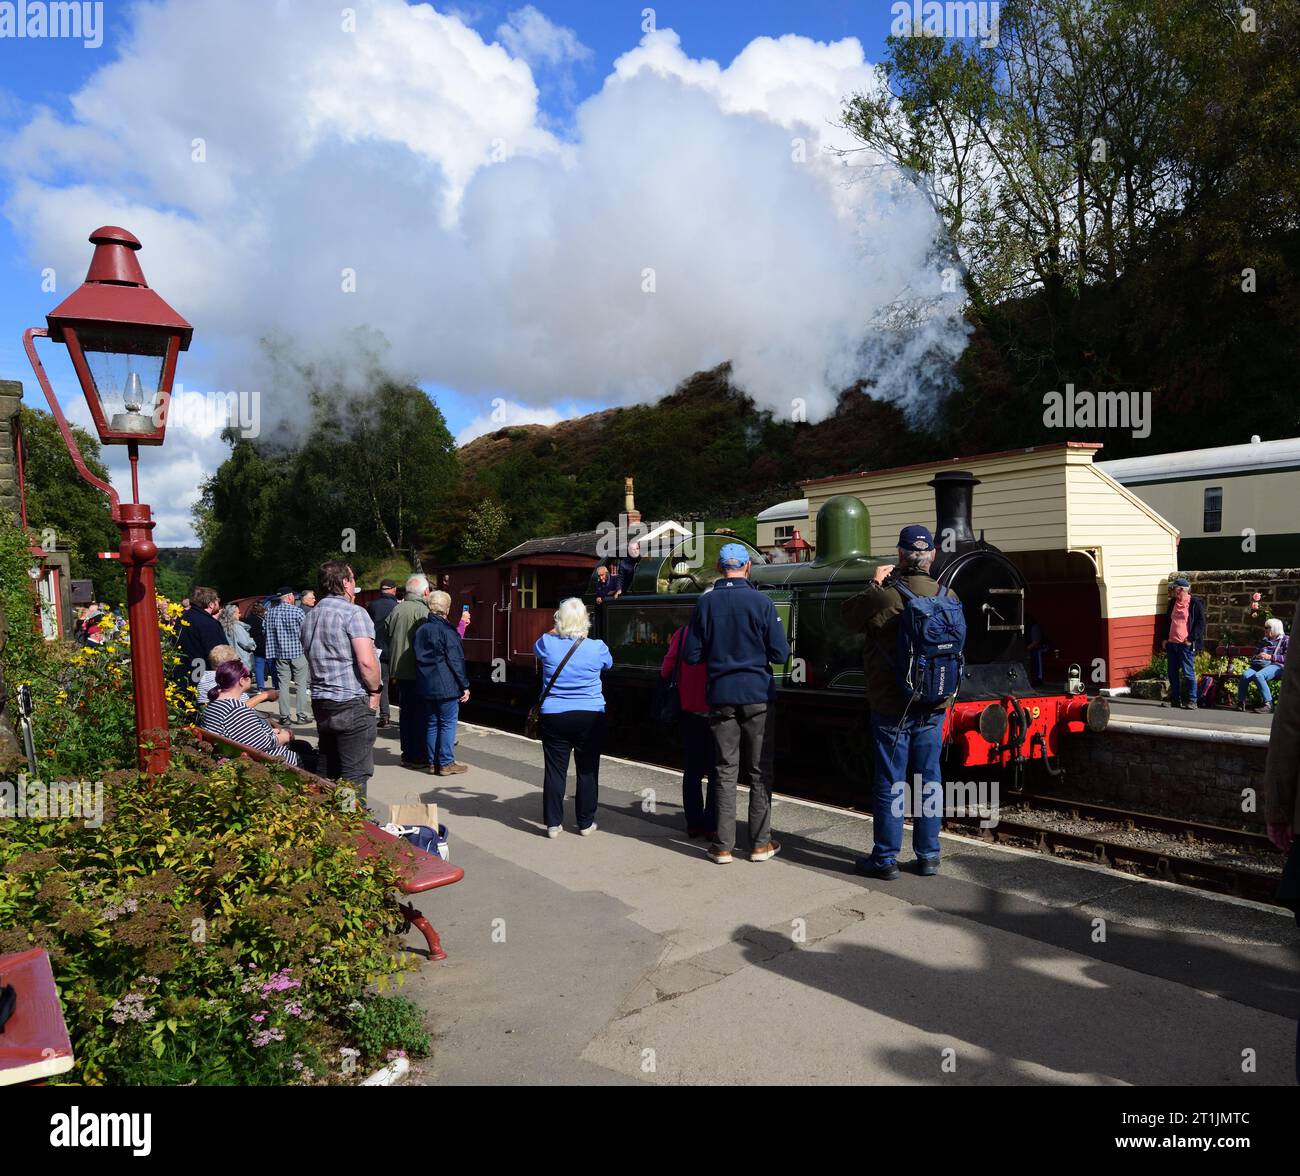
<point x="420" y="870"/>
<point x="34" y="1044"/>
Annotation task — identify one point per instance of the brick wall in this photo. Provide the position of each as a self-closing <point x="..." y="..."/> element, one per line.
<point x="1227" y="599"/>
<point x="1172" y="777"/>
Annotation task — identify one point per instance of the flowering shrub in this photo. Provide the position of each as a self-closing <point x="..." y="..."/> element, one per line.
<point x="83" y="717"/>
<point x="217" y="927"/>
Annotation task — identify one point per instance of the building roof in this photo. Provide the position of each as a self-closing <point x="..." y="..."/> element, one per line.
<point x="579" y="543"/>
<point x="794" y="508"/>
<point x="1205" y="463"/>
<point x="588" y="542"/>
<point x="1059" y="446"/>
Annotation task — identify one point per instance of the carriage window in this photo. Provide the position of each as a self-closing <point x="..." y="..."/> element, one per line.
<point x="1213" y="509"/>
<point x="783" y="534"/>
<point x="527" y="587"/>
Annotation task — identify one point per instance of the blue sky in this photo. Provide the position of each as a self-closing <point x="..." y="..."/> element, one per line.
<point x="37" y="74"/>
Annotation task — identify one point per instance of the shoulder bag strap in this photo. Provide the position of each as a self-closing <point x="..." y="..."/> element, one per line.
<point x="563" y="662"/>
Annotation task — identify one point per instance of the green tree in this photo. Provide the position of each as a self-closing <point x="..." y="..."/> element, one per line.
<point x="59" y="502"/>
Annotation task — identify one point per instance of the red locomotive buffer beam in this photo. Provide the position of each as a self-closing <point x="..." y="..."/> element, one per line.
<point x="1012" y="730"/>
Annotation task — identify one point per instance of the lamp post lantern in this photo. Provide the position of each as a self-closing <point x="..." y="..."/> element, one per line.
<point x="123" y="340"/>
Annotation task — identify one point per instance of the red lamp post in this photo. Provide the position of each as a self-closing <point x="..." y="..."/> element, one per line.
<point x="799" y="548"/>
<point x="123" y="341"/>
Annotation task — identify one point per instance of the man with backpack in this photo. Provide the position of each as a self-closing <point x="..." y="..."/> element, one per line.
<point x="915" y="632"/>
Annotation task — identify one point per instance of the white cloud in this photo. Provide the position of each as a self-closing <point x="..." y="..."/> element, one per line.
<point x="509" y="412"/>
<point x="495" y="259"/>
<point x="528" y="34"/>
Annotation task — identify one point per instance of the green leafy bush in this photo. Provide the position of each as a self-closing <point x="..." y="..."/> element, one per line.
<point x="215" y="927"/>
<point x="386" y="1025"/>
<point x="83" y="708"/>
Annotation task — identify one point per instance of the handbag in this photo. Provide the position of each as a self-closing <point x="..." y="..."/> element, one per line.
<point x="668" y="697"/>
<point x="533" y="723"/>
<point x="1257" y="663"/>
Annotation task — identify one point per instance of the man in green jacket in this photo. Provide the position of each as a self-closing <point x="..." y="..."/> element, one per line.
<point x="412" y="716"/>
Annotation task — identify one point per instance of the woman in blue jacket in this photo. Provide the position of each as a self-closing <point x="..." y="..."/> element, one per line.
<point x="573" y="714"/>
<point x="442" y="683"/>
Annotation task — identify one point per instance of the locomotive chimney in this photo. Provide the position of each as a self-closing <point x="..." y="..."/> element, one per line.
<point x="952" y="500"/>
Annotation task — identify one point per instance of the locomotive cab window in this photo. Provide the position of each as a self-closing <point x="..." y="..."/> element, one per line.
<point x="1213" y="520"/>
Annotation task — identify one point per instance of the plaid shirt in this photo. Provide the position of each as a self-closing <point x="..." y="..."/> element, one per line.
<point x="327" y="637"/>
<point x="284" y="632"/>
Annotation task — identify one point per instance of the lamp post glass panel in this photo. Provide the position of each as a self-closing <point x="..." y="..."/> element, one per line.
<point x="123" y="340"/>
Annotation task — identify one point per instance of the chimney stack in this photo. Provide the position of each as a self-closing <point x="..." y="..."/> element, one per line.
<point x="629" y="506"/>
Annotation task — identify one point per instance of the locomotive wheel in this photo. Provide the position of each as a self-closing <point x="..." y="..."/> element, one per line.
<point x="851" y="749"/>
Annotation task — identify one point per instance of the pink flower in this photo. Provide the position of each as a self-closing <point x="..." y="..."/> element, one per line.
<point x="258" y="1017"/>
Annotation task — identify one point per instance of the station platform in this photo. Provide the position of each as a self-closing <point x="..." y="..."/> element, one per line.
<point x="1125" y="711"/>
<point x="628" y="957"/>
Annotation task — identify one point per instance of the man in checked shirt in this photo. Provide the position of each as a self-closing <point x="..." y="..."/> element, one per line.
<point x="284" y="647"/>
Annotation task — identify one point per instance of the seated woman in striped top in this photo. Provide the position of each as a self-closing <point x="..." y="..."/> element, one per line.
<point x="229" y="716"/>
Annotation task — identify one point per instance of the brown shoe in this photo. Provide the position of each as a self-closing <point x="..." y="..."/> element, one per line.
<point x="719" y="855"/>
<point x="413" y="764"/>
<point x="451" y="769"/>
<point x="760" y="853"/>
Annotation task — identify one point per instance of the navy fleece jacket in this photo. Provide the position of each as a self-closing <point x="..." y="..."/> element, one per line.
<point x="736" y="633"/>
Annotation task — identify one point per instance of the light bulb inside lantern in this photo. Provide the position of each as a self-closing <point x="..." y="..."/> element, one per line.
<point x="133" y="395"/>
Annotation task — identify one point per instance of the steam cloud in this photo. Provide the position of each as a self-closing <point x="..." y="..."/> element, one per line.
<point x="260" y="151"/>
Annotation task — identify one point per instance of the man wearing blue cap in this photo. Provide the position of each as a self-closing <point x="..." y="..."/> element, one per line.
<point x="907" y="738"/>
<point x="736" y="633"/>
<point x="1184" y="635"/>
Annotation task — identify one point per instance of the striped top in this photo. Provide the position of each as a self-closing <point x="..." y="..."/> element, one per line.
<point x="232" y="719"/>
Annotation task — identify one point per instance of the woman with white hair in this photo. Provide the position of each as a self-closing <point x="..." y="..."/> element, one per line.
<point x="1270" y="657"/>
<point x="237" y="634"/>
<point x="572" y="713"/>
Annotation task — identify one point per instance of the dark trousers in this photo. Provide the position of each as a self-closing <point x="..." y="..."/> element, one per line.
<point x="583" y="734"/>
<point x="744" y="740"/>
<point x="1181" y="660"/>
<point x="412" y="722"/>
<point x="698" y="759"/>
<point x="383" y="682"/>
<point x="347" y="741"/>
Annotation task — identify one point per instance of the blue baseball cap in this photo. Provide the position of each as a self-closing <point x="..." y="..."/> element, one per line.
<point x="733" y="555"/>
<point x="915" y="538"/>
<point x="1182" y="582"/>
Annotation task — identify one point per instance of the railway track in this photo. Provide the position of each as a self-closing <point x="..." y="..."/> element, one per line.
<point x="1105" y="848"/>
<point x="1108" y="844"/>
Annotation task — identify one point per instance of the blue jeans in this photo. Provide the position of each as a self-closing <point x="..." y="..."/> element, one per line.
<point x="906" y="758"/>
<point x="1181" y="660"/>
<point x="412" y="723"/>
<point x="260" y="666"/>
<point x="440" y="730"/>
<point x="1261" y="679"/>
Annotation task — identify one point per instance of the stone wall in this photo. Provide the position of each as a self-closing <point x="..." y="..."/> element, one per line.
<point x="1227" y="597"/>
<point x="11" y="393"/>
<point x="1173" y="777"/>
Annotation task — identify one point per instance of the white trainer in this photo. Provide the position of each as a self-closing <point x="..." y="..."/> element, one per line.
<point x="554" y="830"/>
<point x="589" y="830"/>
